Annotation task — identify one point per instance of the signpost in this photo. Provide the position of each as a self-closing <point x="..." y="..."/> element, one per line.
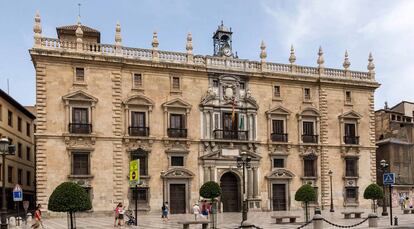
<point x="17" y="197"/>
<point x="389" y="179"/>
<point x="133" y="182"/>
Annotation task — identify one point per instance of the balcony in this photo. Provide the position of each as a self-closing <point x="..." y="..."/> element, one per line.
<point x="138" y="131"/>
<point x="277" y="137"/>
<point x="177" y="132"/>
<point x="310" y="138"/>
<point x="231" y="134"/>
<point x="351" y="140"/>
<point x="80" y="128"/>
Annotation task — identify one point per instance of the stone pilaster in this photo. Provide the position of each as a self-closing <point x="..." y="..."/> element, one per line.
<point x="255" y="183"/>
<point x="324" y="158"/>
<point x="373" y="164"/>
<point x="249" y="183"/>
<point x="212" y="173"/>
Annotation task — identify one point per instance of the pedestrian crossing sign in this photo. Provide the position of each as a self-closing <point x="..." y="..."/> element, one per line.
<point x="388" y="178"/>
<point x="134" y="172"/>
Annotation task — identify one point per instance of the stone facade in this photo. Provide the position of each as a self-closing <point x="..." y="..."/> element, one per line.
<point x="17" y="124"/>
<point x="188" y="117"/>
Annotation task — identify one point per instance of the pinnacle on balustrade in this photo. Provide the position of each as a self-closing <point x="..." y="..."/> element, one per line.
<point x="320" y="60"/>
<point x="346" y="63"/>
<point x="263" y="53"/>
<point x="371" y="65"/>
<point x="37" y="29"/>
<point x="118" y="37"/>
<point x="292" y="57"/>
<point x="189" y="45"/>
<point x="155" y="42"/>
<point x="79" y="35"/>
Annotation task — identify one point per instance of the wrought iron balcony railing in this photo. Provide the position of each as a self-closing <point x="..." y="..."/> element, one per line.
<point x="177" y="132"/>
<point x="277" y="137"/>
<point x="351" y="140"/>
<point x="138" y="131"/>
<point x="80" y="128"/>
<point x="231" y="134"/>
<point x="310" y="138"/>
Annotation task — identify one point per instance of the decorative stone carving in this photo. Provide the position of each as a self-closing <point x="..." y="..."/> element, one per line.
<point x="229" y="93"/>
<point x="178" y="173"/>
<point x="292" y="57"/>
<point x="305" y="151"/>
<point x="210" y="95"/>
<point x="320" y="60"/>
<point x="134" y="144"/>
<point x="280" y="173"/>
<point x="80" y="142"/>
<point x="346" y="63"/>
<point x="279" y="149"/>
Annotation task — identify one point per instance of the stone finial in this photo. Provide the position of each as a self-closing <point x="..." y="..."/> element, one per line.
<point x="292" y="57"/>
<point x="263" y="53"/>
<point x="320" y="60"/>
<point x="386" y="105"/>
<point x="155" y="42"/>
<point x="371" y="65"/>
<point x="37" y="29"/>
<point x="118" y="37"/>
<point x="79" y="36"/>
<point x="346" y="63"/>
<point x="189" y="45"/>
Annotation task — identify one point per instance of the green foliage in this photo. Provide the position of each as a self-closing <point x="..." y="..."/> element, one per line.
<point x="373" y="192"/>
<point x="69" y="197"/>
<point x="210" y="190"/>
<point x="306" y="193"/>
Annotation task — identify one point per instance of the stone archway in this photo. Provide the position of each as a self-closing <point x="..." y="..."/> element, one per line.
<point x="230" y="197"/>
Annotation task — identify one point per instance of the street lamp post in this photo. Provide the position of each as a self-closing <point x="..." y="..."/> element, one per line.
<point x="330" y="179"/>
<point x="5" y="149"/>
<point x="384" y="166"/>
<point x="243" y="161"/>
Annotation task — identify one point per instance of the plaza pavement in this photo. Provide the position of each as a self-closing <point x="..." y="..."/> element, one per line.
<point x="227" y="221"/>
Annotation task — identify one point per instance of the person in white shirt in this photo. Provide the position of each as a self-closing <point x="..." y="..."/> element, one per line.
<point x="196" y="211"/>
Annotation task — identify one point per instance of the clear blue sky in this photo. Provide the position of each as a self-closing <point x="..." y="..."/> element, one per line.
<point x="384" y="27"/>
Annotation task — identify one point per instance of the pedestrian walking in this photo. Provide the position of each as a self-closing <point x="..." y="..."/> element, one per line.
<point x="117" y="209"/>
<point x="38" y="218"/>
<point x="196" y="211"/>
<point x="402" y="202"/>
<point x="121" y="213"/>
<point x="165" y="210"/>
<point x="204" y="209"/>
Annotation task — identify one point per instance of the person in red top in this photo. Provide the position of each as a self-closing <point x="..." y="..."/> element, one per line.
<point x="38" y="217"/>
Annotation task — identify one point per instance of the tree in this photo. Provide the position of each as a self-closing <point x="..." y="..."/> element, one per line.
<point x="306" y="194"/>
<point x="69" y="197"/>
<point x="211" y="190"/>
<point x="373" y="192"/>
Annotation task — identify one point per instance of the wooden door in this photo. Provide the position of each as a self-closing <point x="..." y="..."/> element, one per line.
<point x="177" y="198"/>
<point x="230" y="197"/>
<point x="279" y="197"/>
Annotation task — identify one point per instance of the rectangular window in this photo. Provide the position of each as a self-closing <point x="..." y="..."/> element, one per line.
<point x="19" y="176"/>
<point x="80" y="116"/>
<point x="278" y="163"/>
<point x="28" y="156"/>
<point x="143" y="161"/>
<point x="307" y="94"/>
<point x="351" y="169"/>
<point x="19" y="150"/>
<point x="177" y="121"/>
<point x="348" y="96"/>
<point x="351" y="194"/>
<point x="28" y="129"/>
<point x="80" y="74"/>
<point x="308" y="128"/>
<point x="80" y="163"/>
<point x="309" y="165"/>
<point x="137" y="119"/>
<point x="19" y="124"/>
<point x="28" y="178"/>
<point x="276" y="91"/>
<point x="215" y="83"/>
<point x="10" y="118"/>
<point x="141" y="195"/>
<point x="177" y="161"/>
<point x="137" y="80"/>
<point x="10" y="174"/>
<point x="242" y="86"/>
<point x="216" y="121"/>
<point x="350" y="130"/>
<point x="176" y="83"/>
<point x="278" y="127"/>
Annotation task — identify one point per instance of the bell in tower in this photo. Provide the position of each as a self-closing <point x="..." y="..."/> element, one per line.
<point x="222" y="41"/>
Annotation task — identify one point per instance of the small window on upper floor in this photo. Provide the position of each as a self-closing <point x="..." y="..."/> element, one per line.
<point x="19" y="150"/>
<point x="306" y="94"/>
<point x="242" y="86"/>
<point x="398" y="118"/>
<point x="28" y="129"/>
<point x="28" y="154"/>
<point x="176" y="83"/>
<point x="348" y="96"/>
<point x="10" y="118"/>
<point x="215" y="83"/>
<point x="392" y="117"/>
<point x="19" y="124"/>
<point x="81" y="163"/>
<point x="276" y="91"/>
<point x="137" y="80"/>
<point x="80" y="74"/>
<point x="278" y="163"/>
<point x="177" y="161"/>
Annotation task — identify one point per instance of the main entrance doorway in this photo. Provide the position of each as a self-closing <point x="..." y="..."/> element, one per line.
<point x="230" y="197"/>
<point x="177" y="198"/>
<point x="279" y="197"/>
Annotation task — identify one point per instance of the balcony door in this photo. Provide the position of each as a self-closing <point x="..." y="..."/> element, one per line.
<point x="80" y="121"/>
<point x="138" y="119"/>
<point x="230" y="126"/>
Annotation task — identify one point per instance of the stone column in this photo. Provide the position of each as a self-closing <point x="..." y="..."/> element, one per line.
<point x="255" y="183"/>
<point x="212" y="173"/>
<point x="206" y="174"/>
<point x="249" y="183"/>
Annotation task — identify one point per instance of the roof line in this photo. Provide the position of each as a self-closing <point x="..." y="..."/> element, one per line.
<point x="13" y="102"/>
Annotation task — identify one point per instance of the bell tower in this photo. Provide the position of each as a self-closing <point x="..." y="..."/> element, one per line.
<point x="222" y="41"/>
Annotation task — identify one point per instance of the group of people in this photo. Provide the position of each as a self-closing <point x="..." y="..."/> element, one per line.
<point x="205" y="209"/>
<point x="405" y="202"/>
<point x="119" y="215"/>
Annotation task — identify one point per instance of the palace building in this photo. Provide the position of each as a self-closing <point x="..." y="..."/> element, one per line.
<point x="188" y="117"/>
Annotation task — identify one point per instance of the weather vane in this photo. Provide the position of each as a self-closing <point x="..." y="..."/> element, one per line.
<point x="79" y="10"/>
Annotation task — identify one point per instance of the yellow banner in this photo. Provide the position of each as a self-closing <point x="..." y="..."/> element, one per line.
<point x="134" y="171"/>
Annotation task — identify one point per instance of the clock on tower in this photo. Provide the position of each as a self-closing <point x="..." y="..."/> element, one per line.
<point x="222" y="41"/>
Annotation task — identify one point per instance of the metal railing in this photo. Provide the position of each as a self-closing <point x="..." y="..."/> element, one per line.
<point x="231" y="134"/>
<point x="177" y="132"/>
<point x="277" y="137"/>
<point x="80" y="128"/>
<point x="138" y="131"/>
<point x="351" y="140"/>
<point x="310" y="138"/>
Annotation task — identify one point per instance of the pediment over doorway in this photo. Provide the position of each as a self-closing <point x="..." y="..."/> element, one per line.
<point x="178" y="173"/>
<point x="280" y="173"/>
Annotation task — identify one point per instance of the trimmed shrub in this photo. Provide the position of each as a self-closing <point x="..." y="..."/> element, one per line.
<point x="373" y="192"/>
<point x="69" y="197"/>
<point x="210" y="190"/>
<point x="306" y="193"/>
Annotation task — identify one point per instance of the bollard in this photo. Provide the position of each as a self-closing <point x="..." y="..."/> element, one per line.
<point x="317" y="221"/>
<point x="395" y="221"/>
<point x="29" y="218"/>
<point x="372" y="220"/>
<point x="12" y="222"/>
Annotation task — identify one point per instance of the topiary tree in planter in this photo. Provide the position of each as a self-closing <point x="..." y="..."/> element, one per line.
<point x="211" y="190"/>
<point x="306" y="194"/>
<point x="70" y="198"/>
<point x="374" y="193"/>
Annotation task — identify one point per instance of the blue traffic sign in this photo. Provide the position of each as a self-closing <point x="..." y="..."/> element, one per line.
<point x="17" y="193"/>
<point x="388" y="178"/>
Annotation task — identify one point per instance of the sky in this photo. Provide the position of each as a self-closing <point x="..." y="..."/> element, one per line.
<point x="383" y="27"/>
